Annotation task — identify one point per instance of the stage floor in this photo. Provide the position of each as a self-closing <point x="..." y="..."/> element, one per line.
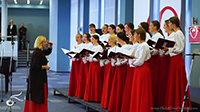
<point x="194" y="93"/>
<point x="93" y="105"/>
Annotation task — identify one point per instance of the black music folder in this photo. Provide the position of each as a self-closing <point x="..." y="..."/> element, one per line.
<point x="104" y="55"/>
<point x="164" y="42"/>
<point x="120" y="53"/>
<point x="86" y="51"/>
<point x="151" y="42"/>
<point x="97" y="55"/>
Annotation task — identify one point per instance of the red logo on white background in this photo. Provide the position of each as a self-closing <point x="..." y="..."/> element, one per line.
<point x="194" y="34"/>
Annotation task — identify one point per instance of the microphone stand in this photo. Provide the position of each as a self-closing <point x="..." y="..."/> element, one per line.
<point x="10" y="72"/>
<point x="186" y="90"/>
<point x="28" y="78"/>
<point x="1" y="68"/>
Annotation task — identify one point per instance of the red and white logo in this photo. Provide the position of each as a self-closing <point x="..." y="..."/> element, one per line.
<point x="194" y="34"/>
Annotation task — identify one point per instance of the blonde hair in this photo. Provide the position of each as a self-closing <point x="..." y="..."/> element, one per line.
<point x="38" y="42"/>
<point x="112" y="38"/>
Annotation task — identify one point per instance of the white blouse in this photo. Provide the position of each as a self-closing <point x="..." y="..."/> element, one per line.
<point x="97" y="48"/>
<point x="87" y="46"/>
<point x="104" y="62"/>
<point x="94" y="34"/>
<point x="77" y="48"/>
<point x="147" y="37"/>
<point x="142" y="54"/>
<point x="112" y="60"/>
<point x="104" y="37"/>
<point x="170" y="37"/>
<point x="155" y="39"/>
<point x="178" y="48"/>
<point x="132" y="50"/>
<point x="122" y="61"/>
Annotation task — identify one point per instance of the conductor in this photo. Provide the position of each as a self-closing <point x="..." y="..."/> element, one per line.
<point x="37" y="81"/>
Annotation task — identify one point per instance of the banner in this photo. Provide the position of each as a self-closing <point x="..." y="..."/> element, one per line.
<point x="169" y="8"/>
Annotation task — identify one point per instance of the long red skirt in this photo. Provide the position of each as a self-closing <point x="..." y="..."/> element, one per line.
<point x="73" y="78"/>
<point x="176" y="85"/>
<point x="80" y="90"/>
<point x="36" y="107"/>
<point x="155" y="69"/>
<point x="141" y="92"/>
<point x="164" y="69"/>
<point x="117" y="88"/>
<point x="107" y="84"/>
<point x="127" y="90"/>
<point x="94" y="83"/>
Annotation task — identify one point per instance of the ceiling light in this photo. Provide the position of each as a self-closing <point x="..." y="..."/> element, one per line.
<point x="41" y="1"/>
<point x="28" y="1"/>
<point x="15" y="1"/>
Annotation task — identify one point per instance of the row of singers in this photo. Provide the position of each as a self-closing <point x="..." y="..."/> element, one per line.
<point x="154" y="78"/>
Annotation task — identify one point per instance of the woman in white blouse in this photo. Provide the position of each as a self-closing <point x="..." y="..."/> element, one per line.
<point x="105" y="35"/>
<point x="129" y="75"/>
<point x="109" y="71"/>
<point x="92" y="29"/>
<point x="119" y="76"/>
<point x="155" y="58"/>
<point x="111" y="29"/>
<point x="84" y="65"/>
<point x="75" y="65"/>
<point x="141" y="91"/>
<point x="176" y="81"/>
<point x="94" y="79"/>
<point x="164" y="68"/>
<point x="120" y="28"/>
<point x="145" y="25"/>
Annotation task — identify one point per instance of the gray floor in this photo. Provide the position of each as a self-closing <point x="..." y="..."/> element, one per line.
<point x="57" y="103"/>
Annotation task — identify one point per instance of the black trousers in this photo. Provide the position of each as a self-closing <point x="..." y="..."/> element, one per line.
<point x="22" y="42"/>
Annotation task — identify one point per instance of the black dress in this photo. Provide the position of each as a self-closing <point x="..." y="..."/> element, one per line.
<point x="37" y="76"/>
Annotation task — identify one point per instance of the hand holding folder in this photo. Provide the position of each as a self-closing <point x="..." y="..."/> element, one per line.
<point x="160" y="43"/>
<point x="77" y="54"/>
<point x="97" y="55"/>
<point x="164" y="42"/>
<point x="68" y="53"/>
<point x="104" y="55"/>
<point x="120" y="53"/>
<point x="151" y="43"/>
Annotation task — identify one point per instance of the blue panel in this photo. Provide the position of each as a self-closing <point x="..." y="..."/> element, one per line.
<point x="129" y="11"/>
<point x="125" y="13"/>
<point x="86" y="16"/>
<point x="60" y="34"/>
<point x="74" y="23"/>
<point x="154" y="10"/>
<point x="187" y="44"/>
<point x="83" y="16"/>
<point x="53" y="35"/>
<point x="63" y="34"/>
